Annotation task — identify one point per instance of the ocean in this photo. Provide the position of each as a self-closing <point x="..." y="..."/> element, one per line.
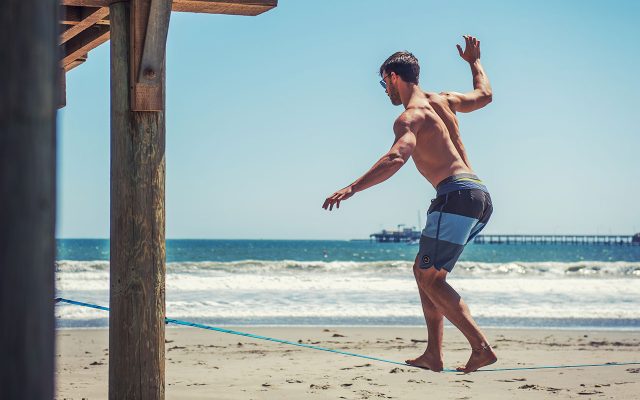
<point x="362" y="283"/>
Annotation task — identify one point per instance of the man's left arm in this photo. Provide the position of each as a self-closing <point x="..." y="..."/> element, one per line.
<point x="386" y="166"/>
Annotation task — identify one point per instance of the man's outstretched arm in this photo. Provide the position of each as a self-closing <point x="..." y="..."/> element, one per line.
<point x="386" y="166"/>
<point x="481" y="94"/>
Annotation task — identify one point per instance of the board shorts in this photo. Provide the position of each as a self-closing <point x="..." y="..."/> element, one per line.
<point x="459" y="212"/>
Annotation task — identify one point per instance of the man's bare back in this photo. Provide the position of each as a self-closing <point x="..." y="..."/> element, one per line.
<point x="441" y="106"/>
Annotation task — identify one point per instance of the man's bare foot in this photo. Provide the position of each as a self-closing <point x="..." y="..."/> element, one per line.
<point x="479" y="358"/>
<point x="427" y="361"/>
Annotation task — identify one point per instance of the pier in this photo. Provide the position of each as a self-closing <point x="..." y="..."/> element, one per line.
<point x="558" y="239"/>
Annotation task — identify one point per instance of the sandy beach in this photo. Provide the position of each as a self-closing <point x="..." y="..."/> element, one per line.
<point x="202" y="364"/>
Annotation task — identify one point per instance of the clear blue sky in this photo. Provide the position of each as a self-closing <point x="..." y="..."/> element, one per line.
<point x="268" y="115"/>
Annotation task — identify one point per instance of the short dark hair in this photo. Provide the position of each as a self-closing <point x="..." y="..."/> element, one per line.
<point x="403" y="64"/>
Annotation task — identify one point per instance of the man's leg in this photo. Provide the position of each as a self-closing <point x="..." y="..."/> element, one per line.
<point x="432" y="357"/>
<point x="449" y="302"/>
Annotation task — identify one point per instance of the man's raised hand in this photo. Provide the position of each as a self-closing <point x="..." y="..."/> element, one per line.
<point x="471" y="51"/>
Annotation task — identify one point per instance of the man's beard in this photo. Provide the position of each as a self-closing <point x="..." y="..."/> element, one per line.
<point x="394" y="95"/>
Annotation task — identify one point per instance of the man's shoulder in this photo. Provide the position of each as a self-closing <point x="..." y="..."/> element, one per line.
<point x="414" y="117"/>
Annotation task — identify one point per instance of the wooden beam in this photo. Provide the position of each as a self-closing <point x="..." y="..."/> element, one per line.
<point x="91" y="17"/>
<point x="75" y="63"/>
<point x="233" y="7"/>
<point x="28" y="77"/>
<point x="249" y="8"/>
<point x="89" y="39"/>
<point x="149" y="28"/>
<point x="137" y="245"/>
<point x="71" y="15"/>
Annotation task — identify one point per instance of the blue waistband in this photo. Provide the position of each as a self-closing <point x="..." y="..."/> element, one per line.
<point x="460" y="182"/>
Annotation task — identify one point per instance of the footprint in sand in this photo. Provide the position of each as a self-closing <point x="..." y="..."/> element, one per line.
<point x="323" y="387"/>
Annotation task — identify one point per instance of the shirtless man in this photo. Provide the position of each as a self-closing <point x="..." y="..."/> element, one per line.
<point x="428" y="132"/>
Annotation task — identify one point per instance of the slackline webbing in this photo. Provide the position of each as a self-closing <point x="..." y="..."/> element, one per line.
<point x="309" y="346"/>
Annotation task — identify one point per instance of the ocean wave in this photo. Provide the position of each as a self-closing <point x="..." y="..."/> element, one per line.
<point x="470" y="269"/>
<point x="251" y="310"/>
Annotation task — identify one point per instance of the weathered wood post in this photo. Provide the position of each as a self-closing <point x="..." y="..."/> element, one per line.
<point x="137" y="295"/>
<point x="28" y="98"/>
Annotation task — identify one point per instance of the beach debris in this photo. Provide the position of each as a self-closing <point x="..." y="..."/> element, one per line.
<point x="633" y="370"/>
<point x="396" y="370"/>
<point x="176" y="348"/>
<point x="294" y="381"/>
<point x="419" y="341"/>
<point x="346" y="384"/>
<point x="266" y="384"/>
<point x="536" y="387"/>
<point x="97" y="363"/>
<point x="512" y="380"/>
<point x="323" y="387"/>
<point x="337" y="335"/>
<point x="363" y="365"/>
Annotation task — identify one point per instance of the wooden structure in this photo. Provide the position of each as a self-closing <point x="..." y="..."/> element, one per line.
<point x="40" y="41"/>
<point x="556" y="239"/>
<point x="86" y="24"/>
<point x="28" y="75"/>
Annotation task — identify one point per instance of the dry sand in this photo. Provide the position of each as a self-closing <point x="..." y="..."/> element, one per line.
<point x="202" y="364"/>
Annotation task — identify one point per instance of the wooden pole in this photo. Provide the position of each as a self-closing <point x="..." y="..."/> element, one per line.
<point x="28" y="99"/>
<point x="137" y="296"/>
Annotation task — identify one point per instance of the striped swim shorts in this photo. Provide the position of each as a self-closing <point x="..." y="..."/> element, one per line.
<point x="459" y="212"/>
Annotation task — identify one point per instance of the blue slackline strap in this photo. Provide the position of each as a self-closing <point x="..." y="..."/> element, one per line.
<point x="251" y="335"/>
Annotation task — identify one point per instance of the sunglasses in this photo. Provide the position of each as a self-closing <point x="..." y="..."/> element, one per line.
<point x="383" y="83"/>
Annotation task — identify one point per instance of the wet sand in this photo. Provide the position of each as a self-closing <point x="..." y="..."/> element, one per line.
<point x="203" y="364"/>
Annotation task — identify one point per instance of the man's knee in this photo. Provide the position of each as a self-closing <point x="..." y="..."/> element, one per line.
<point x="428" y="277"/>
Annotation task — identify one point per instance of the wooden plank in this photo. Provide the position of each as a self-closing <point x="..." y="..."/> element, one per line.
<point x="28" y="76"/>
<point x="143" y="97"/>
<point x="81" y="44"/>
<point x="137" y="245"/>
<point x="91" y="17"/>
<point x="75" y="63"/>
<point x="249" y="8"/>
<point x="233" y="7"/>
<point x="71" y="15"/>
<point x="155" y="43"/>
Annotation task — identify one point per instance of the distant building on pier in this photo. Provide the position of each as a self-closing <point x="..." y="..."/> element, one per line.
<point x="401" y="234"/>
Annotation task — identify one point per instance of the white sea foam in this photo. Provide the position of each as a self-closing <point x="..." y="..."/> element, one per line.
<point x="250" y="289"/>
<point x="463" y="268"/>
